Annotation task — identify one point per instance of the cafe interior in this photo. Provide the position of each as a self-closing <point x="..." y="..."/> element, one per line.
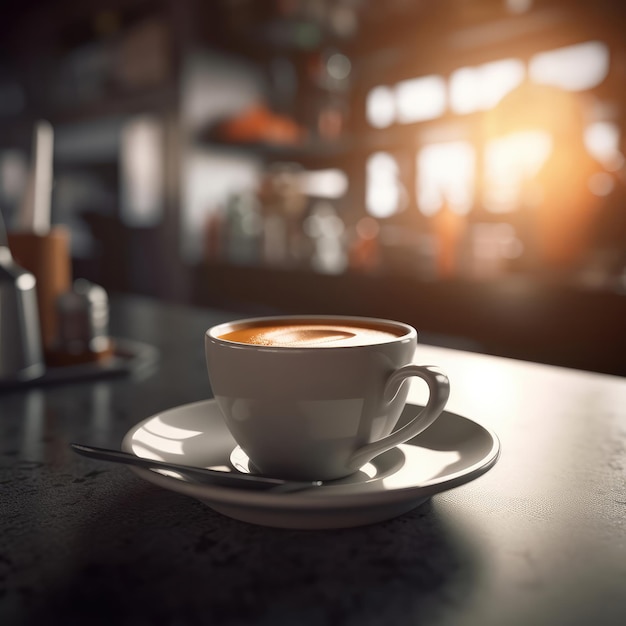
<point x="457" y="165"/>
<point x="169" y="166"/>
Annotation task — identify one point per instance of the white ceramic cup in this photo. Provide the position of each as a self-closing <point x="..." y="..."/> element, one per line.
<point x="318" y="413"/>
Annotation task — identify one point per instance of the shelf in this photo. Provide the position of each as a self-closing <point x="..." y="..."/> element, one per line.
<point x="315" y="150"/>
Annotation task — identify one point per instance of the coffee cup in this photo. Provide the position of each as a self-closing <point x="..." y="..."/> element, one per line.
<point x="317" y="397"/>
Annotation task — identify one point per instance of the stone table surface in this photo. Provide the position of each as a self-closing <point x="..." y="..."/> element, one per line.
<point x="539" y="539"/>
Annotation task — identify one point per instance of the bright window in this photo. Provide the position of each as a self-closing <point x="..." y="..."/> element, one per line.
<point x="384" y="193"/>
<point x="420" y="99"/>
<point x="330" y="183"/>
<point x="380" y="107"/>
<point x="482" y="87"/>
<point x="602" y="142"/>
<point x="573" y="68"/>
<point x="445" y="174"/>
<point x="142" y="171"/>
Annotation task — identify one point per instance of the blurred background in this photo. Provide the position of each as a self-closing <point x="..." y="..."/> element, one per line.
<point x="455" y="164"/>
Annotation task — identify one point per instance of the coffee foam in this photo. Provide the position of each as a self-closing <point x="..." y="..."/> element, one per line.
<point x="315" y="335"/>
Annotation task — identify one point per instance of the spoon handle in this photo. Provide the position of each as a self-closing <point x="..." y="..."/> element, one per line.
<point x="196" y="474"/>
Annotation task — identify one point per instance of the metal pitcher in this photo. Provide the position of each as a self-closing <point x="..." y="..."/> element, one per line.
<point x="20" y="334"/>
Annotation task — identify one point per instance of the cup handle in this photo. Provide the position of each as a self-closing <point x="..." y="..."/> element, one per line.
<point x="439" y="388"/>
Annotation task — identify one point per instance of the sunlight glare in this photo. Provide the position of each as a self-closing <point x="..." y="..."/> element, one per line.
<point x="154" y="442"/>
<point x="426" y="465"/>
<point x="158" y="427"/>
<point x="369" y="469"/>
<point x="146" y="453"/>
<point x="221" y="468"/>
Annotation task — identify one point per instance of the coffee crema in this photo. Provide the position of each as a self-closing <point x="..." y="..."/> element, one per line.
<point x="312" y="334"/>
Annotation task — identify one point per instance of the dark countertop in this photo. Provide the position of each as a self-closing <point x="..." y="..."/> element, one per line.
<point x="540" y="539"/>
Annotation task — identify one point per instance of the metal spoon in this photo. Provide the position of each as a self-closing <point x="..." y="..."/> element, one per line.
<point x="197" y="474"/>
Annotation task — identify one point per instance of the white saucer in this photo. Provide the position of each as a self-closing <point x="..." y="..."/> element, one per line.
<point x="451" y="452"/>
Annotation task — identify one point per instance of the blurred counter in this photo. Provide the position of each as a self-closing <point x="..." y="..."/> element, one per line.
<point x="523" y="317"/>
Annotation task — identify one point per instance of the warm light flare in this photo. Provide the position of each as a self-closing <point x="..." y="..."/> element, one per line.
<point x="510" y="163"/>
<point x="537" y="161"/>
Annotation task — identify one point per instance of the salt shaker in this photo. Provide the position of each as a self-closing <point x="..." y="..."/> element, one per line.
<point x="83" y="320"/>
